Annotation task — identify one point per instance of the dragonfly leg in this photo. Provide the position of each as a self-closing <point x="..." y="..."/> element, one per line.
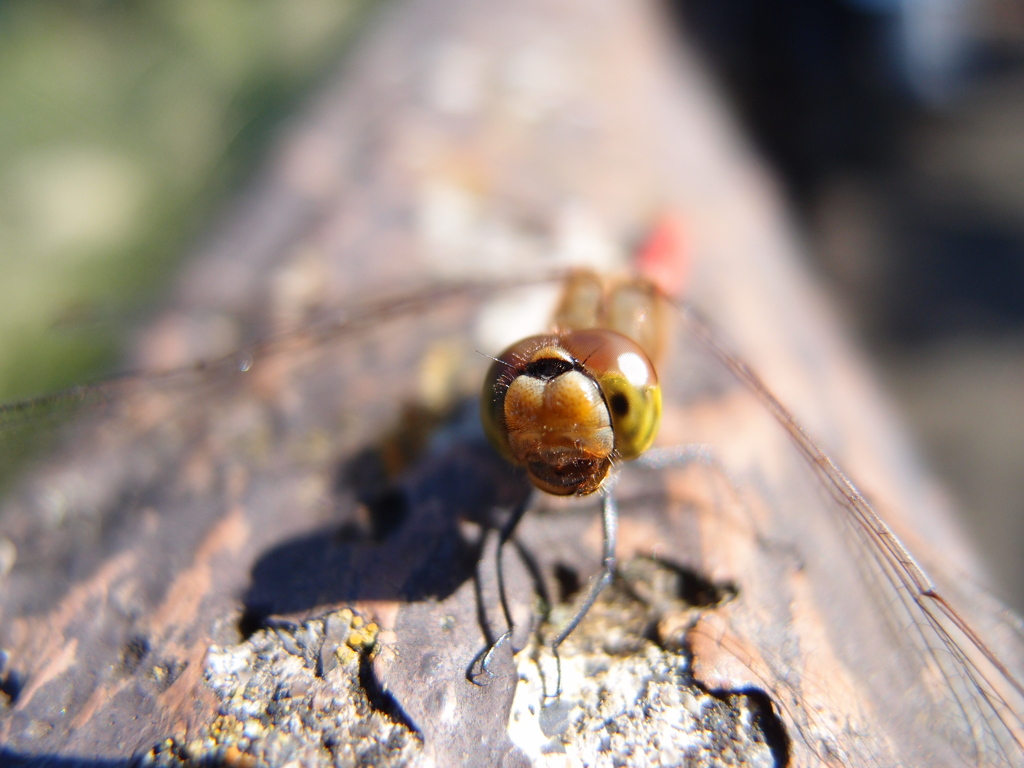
<point x="680" y="456"/>
<point x="610" y="522"/>
<point x="481" y="666"/>
<point x="677" y="456"/>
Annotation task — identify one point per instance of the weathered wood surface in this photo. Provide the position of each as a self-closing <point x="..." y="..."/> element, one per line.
<point x="185" y="562"/>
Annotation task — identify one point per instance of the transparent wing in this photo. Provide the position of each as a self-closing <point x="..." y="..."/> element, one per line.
<point x="870" y="658"/>
<point x="187" y="508"/>
<point x="272" y="472"/>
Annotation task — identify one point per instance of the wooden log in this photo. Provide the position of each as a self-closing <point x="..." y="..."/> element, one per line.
<point x="288" y="556"/>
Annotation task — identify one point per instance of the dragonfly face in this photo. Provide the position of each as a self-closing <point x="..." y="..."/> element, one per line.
<point x="564" y="407"/>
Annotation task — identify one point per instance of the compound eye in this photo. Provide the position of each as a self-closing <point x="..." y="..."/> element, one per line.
<point x="628" y="382"/>
<point x="536" y="355"/>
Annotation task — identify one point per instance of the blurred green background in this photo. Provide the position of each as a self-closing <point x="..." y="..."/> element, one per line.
<point x="122" y="126"/>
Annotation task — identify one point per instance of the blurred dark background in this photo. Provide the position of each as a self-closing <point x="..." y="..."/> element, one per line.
<point x="897" y="127"/>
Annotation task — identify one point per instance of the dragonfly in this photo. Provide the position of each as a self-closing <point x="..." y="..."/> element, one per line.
<point x="302" y="472"/>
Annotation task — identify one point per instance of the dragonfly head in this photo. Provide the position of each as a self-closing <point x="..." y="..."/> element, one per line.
<point x="567" y="406"/>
